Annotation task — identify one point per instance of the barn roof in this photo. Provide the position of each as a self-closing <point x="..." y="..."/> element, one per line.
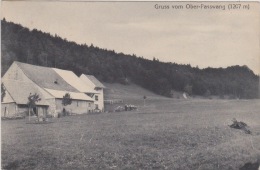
<point x="20" y="91"/>
<point x="45" y="77"/>
<point x="72" y="79"/>
<point x="94" y="80"/>
<point x="74" y="95"/>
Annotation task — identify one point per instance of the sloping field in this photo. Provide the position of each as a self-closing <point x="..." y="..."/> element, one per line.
<point x="164" y="134"/>
<point x="132" y="91"/>
<point x="130" y="94"/>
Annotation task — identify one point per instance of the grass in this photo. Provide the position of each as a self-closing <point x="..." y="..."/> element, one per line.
<point x="165" y="134"/>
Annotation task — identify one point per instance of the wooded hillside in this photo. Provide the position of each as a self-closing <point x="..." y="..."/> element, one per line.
<point x="38" y="48"/>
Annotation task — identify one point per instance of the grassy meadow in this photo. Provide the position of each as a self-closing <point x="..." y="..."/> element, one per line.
<point x="163" y="134"/>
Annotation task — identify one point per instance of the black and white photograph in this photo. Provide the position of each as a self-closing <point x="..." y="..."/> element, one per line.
<point x="130" y="85"/>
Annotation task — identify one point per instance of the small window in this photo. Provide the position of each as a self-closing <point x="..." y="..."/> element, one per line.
<point x="96" y="106"/>
<point x="89" y="104"/>
<point x="77" y="103"/>
<point x="96" y="98"/>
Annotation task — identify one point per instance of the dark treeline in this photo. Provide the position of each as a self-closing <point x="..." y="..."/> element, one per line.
<point x="38" y="48"/>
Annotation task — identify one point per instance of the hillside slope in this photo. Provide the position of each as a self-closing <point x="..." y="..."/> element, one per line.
<point x="38" y="48"/>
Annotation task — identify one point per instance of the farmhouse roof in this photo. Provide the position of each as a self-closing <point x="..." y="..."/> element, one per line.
<point x="20" y="91"/>
<point x="93" y="79"/>
<point x="45" y="77"/>
<point x="72" y="79"/>
<point x="74" y="95"/>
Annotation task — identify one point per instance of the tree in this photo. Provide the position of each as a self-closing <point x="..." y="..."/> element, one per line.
<point x="188" y="89"/>
<point x="66" y="100"/>
<point x="2" y="92"/>
<point x="32" y="100"/>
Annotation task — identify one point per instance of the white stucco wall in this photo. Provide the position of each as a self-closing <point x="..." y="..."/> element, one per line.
<point x="77" y="106"/>
<point x="100" y="101"/>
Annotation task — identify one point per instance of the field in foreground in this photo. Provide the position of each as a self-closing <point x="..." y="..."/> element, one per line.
<point x="165" y="134"/>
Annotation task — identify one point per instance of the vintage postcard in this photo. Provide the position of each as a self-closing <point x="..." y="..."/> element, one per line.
<point x="130" y="85"/>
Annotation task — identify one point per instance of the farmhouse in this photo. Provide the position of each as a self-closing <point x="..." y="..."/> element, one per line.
<point x="50" y="84"/>
<point x="96" y="85"/>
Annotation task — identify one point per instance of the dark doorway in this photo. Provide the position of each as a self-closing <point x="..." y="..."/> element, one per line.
<point x="35" y="111"/>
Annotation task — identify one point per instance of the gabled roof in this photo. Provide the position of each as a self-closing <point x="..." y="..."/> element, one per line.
<point x="93" y="79"/>
<point x="20" y="91"/>
<point x="74" y="95"/>
<point x="45" y="77"/>
<point x="74" y="81"/>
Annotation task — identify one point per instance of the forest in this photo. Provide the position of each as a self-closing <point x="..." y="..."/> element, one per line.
<point x="39" y="48"/>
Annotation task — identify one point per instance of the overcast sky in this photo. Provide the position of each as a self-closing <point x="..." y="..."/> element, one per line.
<point x="207" y="38"/>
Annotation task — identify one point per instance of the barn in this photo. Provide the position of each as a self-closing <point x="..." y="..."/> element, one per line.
<point x="22" y="79"/>
<point x="16" y="98"/>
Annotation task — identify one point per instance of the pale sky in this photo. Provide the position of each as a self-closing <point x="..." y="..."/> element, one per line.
<point x="207" y="38"/>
